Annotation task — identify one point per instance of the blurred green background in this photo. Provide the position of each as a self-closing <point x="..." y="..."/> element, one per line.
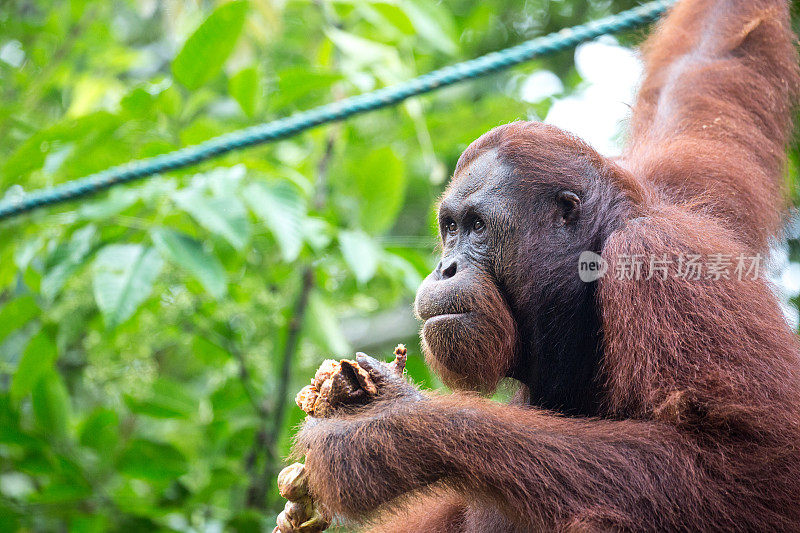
<point x="152" y="338"/>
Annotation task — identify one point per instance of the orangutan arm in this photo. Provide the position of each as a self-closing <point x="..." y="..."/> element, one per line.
<point x="543" y="469"/>
<point x="714" y="111"/>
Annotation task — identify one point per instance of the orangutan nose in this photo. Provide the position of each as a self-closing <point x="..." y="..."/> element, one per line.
<point x="448" y="272"/>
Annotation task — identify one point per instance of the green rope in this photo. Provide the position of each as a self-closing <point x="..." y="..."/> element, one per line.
<point x="286" y="127"/>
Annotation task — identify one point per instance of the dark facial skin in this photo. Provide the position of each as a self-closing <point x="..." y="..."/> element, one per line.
<point x="494" y="307"/>
<point x="464" y="310"/>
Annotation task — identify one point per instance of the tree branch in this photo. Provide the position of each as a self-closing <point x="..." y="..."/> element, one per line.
<point x="266" y="441"/>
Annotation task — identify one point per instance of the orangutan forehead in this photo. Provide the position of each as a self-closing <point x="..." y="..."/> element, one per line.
<point x="485" y="171"/>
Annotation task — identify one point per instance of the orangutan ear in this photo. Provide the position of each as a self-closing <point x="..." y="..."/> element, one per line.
<point x="569" y="204"/>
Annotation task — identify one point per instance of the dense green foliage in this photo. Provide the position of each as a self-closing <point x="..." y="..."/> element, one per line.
<point x="152" y="338"/>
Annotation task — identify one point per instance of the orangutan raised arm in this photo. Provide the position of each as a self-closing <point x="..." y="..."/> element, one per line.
<point x="713" y="115"/>
<point x="656" y="402"/>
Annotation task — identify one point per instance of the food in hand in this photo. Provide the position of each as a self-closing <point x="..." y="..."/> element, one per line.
<point x="300" y="515"/>
<point x="343" y="383"/>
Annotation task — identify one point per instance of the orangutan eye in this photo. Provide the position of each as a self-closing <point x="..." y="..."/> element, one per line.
<point x="452" y="227"/>
<point x="478" y="226"/>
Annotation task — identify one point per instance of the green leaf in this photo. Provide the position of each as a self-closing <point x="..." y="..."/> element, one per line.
<point x="188" y="254"/>
<point x="243" y="86"/>
<point x="300" y="84"/>
<point x="51" y="405"/>
<point x="62" y="493"/>
<point x="36" y="361"/>
<point x="283" y="211"/>
<point x="323" y="327"/>
<point x="231" y="395"/>
<point x="362" y="52"/>
<point x="90" y="522"/>
<point x="100" y="431"/>
<point x="117" y="201"/>
<point x="224" y="215"/>
<point x="9" y="518"/>
<point x="123" y="278"/>
<point x="206" y="50"/>
<point x="26" y="251"/>
<point x="360" y="253"/>
<point x="166" y="399"/>
<point x="16" y="314"/>
<point x="79" y="246"/>
<point x="32" y="153"/>
<point x="390" y="15"/>
<point x="380" y="182"/>
<point x="209" y="352"/>
<point x="153" y="461"/>
<point x="317" y="232"/>
<point x="407" y="272"/>
<point x="8" y="270"/>
<point x="434" y="23"/>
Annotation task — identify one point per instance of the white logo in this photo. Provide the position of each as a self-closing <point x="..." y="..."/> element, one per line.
<point x="591" y="266"/>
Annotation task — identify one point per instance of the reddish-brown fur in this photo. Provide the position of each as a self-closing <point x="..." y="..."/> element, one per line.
<point x="696" y="425"/>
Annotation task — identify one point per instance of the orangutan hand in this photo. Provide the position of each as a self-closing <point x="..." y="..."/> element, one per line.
<point x="348" y="382"/>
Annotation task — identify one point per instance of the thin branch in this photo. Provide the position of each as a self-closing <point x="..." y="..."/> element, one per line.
<point x="245" y="378"/>
<point x="247" y="381"/>
<point x="267" y="441"/>
<point x="321" y="183"/>
<point x="289" y="351"/>
<point x="229" y="346"/>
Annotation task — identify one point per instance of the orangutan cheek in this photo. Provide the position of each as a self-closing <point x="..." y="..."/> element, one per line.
<point x="471" y="350"/>
<point x="448" y="340"/>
